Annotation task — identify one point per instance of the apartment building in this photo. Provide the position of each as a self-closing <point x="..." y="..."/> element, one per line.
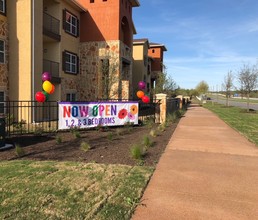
<point x="141" y="65"/>
<point x="156" y="52"/>
<point x="106" y="44"/>
<point x="80" y="42"/>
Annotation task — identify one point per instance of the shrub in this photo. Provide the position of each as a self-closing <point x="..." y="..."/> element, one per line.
<point x="76" y="134"/>
<point x="162" y="127"/>
<point x="147" y="142"/>
<point x="138" y="152"/>
<point x="58" y="139"/>
<point x="110" y="136"/>
<point x="153" y="133"/>
<point x="85" y="146"/>
<point x="19" y="151"/>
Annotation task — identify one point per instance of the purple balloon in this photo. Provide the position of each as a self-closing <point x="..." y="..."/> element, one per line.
<point x="141" y="85"/>
<point x="46" y="76"/>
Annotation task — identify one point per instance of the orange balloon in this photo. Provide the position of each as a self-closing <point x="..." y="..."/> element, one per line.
<point x="52" y="90"/>
<point x="140" y="94"/>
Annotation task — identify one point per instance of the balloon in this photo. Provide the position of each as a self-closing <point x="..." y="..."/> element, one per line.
<point x="140" y="94"/>
<point x="46" y="95"/>
<point x="141" y="85"/>
<point x="146" y="99"/>
<point x="52" y="90"/>
<point x="46" y="76"/>
<point x="40" y="97"/>
<point x="47" y="86"/>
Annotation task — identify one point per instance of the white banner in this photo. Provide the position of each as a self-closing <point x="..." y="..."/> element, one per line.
<point x="93" y="114"/>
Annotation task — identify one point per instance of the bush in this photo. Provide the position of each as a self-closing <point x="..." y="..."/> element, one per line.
<point x="153" y="133"/>
<point x="58" y="139"/>
<point x="19" y="151"/>
<point x="147" y="142"/>
<point x="85" y="146"/>
<point x="110" y="136"/>
<point x="138" y="152"/>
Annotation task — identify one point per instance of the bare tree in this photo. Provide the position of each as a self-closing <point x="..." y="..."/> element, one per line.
<point x="248" y="78"/>
<point x="228" y="85"/>
<point x="108" y="79"/>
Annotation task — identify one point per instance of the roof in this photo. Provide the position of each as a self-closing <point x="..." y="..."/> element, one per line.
<point x="158" y="45"/>
<point x="135" y="3"/>
<point x="141" y="41"/>
<point x="81" y="7"/>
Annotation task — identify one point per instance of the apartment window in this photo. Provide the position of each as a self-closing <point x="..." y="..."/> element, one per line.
<point x="70" y="97"/>
<point x="2" y="51"/>
<point x="2" y="6"/>
<point x="70" y="62"/>
<point x="70" y="23"/>
<point x="91" y="1"/>
<point x="104" y="0"/>
<point x="153" y="51"/>
<point x="1" y="102"/>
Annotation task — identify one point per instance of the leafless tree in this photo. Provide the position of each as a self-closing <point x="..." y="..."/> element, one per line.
<point x="248" y="79"/>
<point x="228" y="85"/>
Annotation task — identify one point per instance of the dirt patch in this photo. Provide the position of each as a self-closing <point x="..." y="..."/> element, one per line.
<point x="111" y="146"/>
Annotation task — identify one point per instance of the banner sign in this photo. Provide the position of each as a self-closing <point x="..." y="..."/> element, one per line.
<point x="93" y="114"/>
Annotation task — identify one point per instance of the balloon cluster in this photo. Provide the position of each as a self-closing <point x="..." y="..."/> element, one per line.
<point x="48" y="88"/>
<point x="140" y="94"/>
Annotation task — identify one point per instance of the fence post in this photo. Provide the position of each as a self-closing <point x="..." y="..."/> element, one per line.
<point x="161" y="116"/>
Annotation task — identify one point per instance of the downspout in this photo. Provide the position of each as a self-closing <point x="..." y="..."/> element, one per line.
<point x="33" y="60"/>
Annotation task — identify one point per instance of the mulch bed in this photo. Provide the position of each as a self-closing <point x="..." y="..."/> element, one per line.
<point x="103" y="150"/>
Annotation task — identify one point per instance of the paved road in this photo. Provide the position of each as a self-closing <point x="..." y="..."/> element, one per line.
<point x="207" y="172"/>
<point x="236" y="103"/>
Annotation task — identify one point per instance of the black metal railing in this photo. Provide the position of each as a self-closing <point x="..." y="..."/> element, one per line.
<point x="25" y="117"/>
<point x="51" y="26"/>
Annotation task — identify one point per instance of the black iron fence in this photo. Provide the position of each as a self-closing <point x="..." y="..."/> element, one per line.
<point x="24" y="117"/>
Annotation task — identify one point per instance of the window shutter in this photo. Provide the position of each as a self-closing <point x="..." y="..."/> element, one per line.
<point x="64" y="19"/>
<point x="78" y="64"/>
<point x="78" y="27"/>
<point x="63" y="61"/>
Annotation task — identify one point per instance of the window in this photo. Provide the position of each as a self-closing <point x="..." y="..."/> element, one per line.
<point x="2" y="51"/>
<point x="70" y="23"/>
<point x="153" y="51"/>
<point x="2" y="6"/>
<point x="70" y="97"/>
<point x="2" y="102"/>
<point x="70" y="62"/>
<point x="91" y="1"/>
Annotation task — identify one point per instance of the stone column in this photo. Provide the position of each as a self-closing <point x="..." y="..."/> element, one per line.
<point x="162" y="113"/>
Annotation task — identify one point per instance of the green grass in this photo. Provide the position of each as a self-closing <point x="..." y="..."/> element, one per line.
<point x="239" y="119"/>
<point x="69" y="190"/>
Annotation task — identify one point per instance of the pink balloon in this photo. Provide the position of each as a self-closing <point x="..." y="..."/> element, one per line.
<point x="141" y="85"/>
<point x="46" y="76"/>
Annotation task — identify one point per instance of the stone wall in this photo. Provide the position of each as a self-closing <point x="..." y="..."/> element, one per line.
<point x="4" y="84"/>
<point x="90" y="78"/>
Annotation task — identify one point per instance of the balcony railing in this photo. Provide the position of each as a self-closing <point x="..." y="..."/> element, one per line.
<point x="51" y="27"/>
<point x="53" y="68"/>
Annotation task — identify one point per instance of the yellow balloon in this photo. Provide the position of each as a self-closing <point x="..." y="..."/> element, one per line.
<point x="47" y="86"/>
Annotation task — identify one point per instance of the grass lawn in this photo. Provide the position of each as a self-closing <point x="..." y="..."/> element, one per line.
<point x="70" y="190"/>
<point x="245" y="123"/>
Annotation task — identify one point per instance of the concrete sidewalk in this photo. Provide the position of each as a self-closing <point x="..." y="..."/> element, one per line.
<point x="208" y="171"/>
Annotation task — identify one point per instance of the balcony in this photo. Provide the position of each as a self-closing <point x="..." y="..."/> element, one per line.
<point x="53" y="68"/>
<point x="51" y="27"/>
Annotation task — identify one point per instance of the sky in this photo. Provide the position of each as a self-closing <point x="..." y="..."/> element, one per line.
<point x="205" y="39"/>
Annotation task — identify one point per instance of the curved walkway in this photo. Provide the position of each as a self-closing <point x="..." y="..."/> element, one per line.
<point x="208" y="171"/>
